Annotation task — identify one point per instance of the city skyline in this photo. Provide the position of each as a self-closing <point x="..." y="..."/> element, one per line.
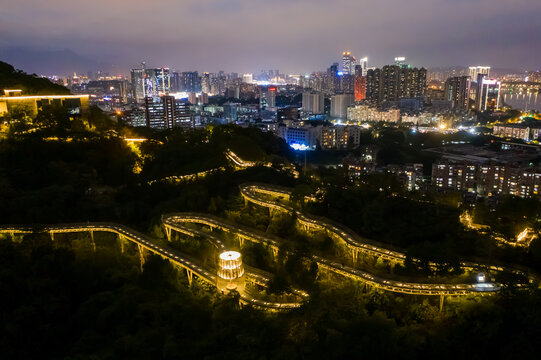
<point x="294" y="36"/>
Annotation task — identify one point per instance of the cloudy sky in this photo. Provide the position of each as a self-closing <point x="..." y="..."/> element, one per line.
<point x="291" y="35"/>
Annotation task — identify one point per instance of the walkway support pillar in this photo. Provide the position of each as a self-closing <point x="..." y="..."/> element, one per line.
<point x="190" y="276"/>
<point x="442" y="297"/>
<point x="141" y="256"/>
<point x="168" y="232"/>
<point x="92" y="242"/>
<point x="275" y="253"/>
<point x="52" y="235"/>
<point x="355" y="256"/>
<point x="121" y="241"/>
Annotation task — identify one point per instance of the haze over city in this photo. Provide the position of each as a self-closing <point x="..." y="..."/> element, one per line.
<point x="279" y="179"/>
<point x="295" y="36"/>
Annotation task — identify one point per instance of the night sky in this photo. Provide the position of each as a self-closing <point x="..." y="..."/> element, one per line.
<point x="294" y="36"/>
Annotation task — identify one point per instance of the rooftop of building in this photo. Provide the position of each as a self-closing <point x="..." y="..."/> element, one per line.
<point x="483" y="155"/>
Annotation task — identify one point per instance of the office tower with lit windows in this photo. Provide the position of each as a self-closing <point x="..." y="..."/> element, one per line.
<point x="190" y="81"/>
<point x="175" y="82"/>
<point x="313" y="103"/>
<point x="346" y="84"/>
<point x="457" y="91"/>
<point x="205" y="83"/>
<point x="488" y="97"/>
<point x="331" y="82"/>
<point x="138" y="83"/>
<point x="364" y="65"/>
<point x="474" y="71"/>
<point x="348" y="63"/>
<point x="166" y="112"/>
<point x="150" y="82"/>
<point x="267" y="97"/>
<point x="162" y="81"/>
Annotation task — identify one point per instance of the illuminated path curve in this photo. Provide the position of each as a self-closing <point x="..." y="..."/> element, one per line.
<point x="144" y="243"/>
<point x="176" y="222"/>
<point x="356" y="244"/>
<point x="273" y="243"/>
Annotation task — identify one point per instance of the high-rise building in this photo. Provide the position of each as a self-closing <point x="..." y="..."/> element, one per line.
<point x="476" y="70"/>
<point x="346" y="84"/>
<point x="489" y="95"/>
<point x="331" y="82"/>
<point x="205" y="83"/>
<point x="231" y="111"/>
<point x="313" y="103"/>
<point x="248" y="78"/>
<point x="364" y="65"/>
<point x="138" y="83"/>
<point x="150" y="82"/>
<point x="457" y="91"/>
<point x="360" y="87"/>
<point x="339" y="105"/>
<point x="192" y="98"/>
<point x="162" y="81"/>
<point x="267" y="97"/>
<point x="175" y="82"/>
<point x="348" y="63"/>
<point x="373" y="85"/>
<point x="190" y="81"/>
<point x="166" y="112"/>
<point x="394" y="82"/>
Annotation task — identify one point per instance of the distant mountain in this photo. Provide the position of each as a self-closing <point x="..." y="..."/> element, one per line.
<point x="29" y="84"/>
<point x="49" y="62"/>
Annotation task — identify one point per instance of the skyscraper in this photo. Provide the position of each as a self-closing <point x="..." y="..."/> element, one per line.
<point x="267" y="97"/>
<point x="138" y="84"/>
<point x="162" y="81"/>
<point x="364" y="65"/>
<point x="457" y="91"/>
<point x="476" y="70"/>
<point x="205" y="83"/>
<point x="346" y="84"/>
<point x="360" y="84"/>
<point x="331" y="82"/>
<point x="166" y="112"/>
<point x="393" y="82"/>
<point x="373" y="85"/>
<point x="150" y="82"/>
<point x="348" y="63"/>
<point x="489" y="95"/>
<point x="190" y="81"/>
